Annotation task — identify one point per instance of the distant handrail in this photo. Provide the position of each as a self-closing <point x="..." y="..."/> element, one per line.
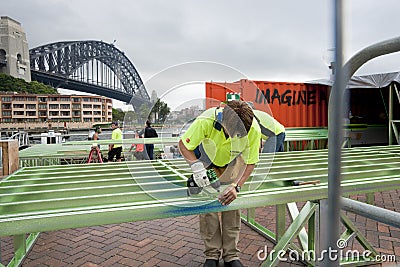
<point x="22" y="137"/>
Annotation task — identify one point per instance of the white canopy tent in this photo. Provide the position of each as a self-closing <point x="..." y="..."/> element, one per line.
<point x="379" y="80"/>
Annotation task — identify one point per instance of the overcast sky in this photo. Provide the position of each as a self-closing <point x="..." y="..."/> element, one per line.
<point x="267" y="40"/>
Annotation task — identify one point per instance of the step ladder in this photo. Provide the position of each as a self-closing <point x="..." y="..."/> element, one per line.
<point x="95" y="155"/>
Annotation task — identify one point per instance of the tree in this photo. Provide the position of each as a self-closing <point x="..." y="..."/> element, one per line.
<point x="160" y="110"/>
<point x="11" y="84"/>
<point x="164" y="111"/>
<point x="118" y="115"/>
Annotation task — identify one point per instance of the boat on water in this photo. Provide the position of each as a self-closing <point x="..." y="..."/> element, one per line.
<point x="51" y="137"/>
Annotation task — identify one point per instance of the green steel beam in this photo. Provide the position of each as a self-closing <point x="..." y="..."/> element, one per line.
<point x="252" y="223"/>
<point x="22" y="246"/>
<point x="291" y="233"/>
<point x="280" y="221"/>
<point x="354" y="232"/>
<point x="303" y="236"/>
<point x="311" y="241"/>
<point x="52" y="189"/>
<point x="47" y="198"/>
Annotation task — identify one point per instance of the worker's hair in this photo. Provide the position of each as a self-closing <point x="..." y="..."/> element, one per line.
<point x="237" y="117"/>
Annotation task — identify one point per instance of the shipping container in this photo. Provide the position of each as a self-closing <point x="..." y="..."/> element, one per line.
<point x="292" y="104"/>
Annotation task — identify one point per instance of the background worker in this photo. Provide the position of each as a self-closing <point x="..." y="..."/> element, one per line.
<point x="95" y="152"/>
<point x="271" y="131"/>
<point x="149" y="132"/>
<point x="97" y="131"/>
<point x="94" y="135"/>
<point x="115" y="150"/>
<point x="229" y="141"/>
<point x="139" y="152"/>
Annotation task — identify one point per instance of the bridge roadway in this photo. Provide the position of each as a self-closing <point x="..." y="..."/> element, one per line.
<point x="47" y="198"/>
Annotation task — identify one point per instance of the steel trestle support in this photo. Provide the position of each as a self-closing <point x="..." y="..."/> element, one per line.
<point x="310" y="242"/>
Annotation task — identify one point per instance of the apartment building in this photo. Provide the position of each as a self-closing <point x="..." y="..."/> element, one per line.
<point x="32" y="108"/>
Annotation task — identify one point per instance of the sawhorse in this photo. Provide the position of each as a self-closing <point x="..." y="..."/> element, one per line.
<point x="95" y="151"/>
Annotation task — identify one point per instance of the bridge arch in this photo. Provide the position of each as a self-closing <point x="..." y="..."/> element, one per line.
<point x="89" y="66"/>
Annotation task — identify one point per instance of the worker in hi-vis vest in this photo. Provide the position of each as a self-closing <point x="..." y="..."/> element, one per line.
<point x="227" y="139"/>
<point x="271" y="131"/>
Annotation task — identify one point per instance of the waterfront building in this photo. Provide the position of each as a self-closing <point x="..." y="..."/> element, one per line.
<point x="41" y="108"/>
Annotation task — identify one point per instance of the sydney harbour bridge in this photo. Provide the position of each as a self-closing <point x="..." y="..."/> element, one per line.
<point x="89" y="66"/>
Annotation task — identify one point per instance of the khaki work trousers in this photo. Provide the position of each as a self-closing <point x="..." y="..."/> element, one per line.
<point x="220" y="231"/>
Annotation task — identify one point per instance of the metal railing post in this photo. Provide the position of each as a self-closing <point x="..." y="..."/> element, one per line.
<point x="343" y="73"/>
<point x="335" y="137"/>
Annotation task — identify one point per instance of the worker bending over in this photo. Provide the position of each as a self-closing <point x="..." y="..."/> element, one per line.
<point x="227" y="140"/>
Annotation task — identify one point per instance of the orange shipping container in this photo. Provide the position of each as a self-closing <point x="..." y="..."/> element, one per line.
<point x="292" y="104"/>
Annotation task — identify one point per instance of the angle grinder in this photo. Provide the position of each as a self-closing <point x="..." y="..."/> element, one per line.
<point x="194" y="189"/>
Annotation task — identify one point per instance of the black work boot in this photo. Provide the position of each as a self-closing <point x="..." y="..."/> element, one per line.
<point x="234" y="263"/>
<point x="211" y="263"/>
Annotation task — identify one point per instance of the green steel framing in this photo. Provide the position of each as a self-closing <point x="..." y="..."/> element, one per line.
<point x="47" y="198"/>
<point x="393" y="122"/>
<point x="77" y="152"/>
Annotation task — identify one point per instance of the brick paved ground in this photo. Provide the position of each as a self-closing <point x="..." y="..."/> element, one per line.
<point x="176" y="242"/>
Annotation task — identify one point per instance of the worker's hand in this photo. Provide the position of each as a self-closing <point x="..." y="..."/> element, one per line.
<point x="228" y="195"/>
<point x="199" y="174"/>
